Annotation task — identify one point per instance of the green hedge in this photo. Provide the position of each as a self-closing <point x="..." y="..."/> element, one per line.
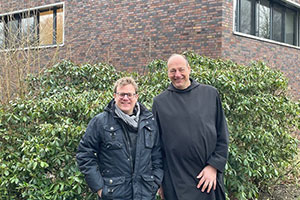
<point x="39" y="134"/>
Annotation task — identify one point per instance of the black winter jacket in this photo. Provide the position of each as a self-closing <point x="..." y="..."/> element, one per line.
<point x="104" y="159"/>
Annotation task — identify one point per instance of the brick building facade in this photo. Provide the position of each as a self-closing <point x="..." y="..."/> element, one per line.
<point x="129" y="34"/>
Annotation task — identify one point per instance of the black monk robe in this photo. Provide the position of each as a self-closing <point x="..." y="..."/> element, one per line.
<point x="194" y="134"/>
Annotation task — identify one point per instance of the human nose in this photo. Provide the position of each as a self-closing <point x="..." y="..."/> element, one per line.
<point x="126" y="96"/>
<point x="177" y="73"/>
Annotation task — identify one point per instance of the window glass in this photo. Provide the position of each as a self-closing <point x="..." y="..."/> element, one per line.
<point x="237" y="16"/>
<point x="59" y="25"/>
<point x="32" y="28"/>
<point x="2" y="39"/>
<point x="290" y="16"/>
<point x="12" y="32"/>
<point x="263" y="19"/>
<point x="277" y="23"/>
<point x="28" y="31"/>
<point x="268" y="19"/>
<point x="46" y="27"/>
<point x="245" y="16"/>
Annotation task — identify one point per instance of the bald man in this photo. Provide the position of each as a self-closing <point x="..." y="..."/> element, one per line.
<point x="194" y="136"/>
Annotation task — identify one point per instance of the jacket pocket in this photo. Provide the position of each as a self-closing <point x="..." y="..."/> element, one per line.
<point x="113" y="145"/>
<point x="149" y="187"/>
<point x="149" y="137"/>
<point x="114" y="188"/>
<point x="113" y="137"/>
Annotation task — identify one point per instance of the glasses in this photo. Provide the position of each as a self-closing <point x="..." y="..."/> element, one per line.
<point x="129" y="95"/>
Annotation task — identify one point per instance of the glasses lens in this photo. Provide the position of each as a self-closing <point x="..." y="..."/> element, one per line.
<point x="129" y="95"/>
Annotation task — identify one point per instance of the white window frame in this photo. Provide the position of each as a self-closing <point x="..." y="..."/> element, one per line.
<point x="235" y="32"/>
<point x="62" y="4"/>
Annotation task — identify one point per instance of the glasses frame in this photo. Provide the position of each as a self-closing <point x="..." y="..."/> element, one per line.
<point x="123" y="94"/>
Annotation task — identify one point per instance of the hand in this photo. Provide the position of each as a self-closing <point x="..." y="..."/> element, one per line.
<point x="99" y="192"/>
<point x="161" y="192"/>
<point x="208" y="178"/>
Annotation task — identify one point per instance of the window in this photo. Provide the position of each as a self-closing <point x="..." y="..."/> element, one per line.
<point x="28" y="32"/>
<point x="277" y="23"/>
<point x="290" y="26"/>
<point x="46" y="27"/>
<point x="263" y="23"/>
<point x="41" y="26"/>
<point x="269" y="19"/>
<point x="245" y="19"/>
<point x="2" y="39"/>
<point x="12" y="32"/>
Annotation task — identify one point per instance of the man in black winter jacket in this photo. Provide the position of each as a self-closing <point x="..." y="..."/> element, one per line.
<point x="120" y="153"/>
<point x="194" y="136"/>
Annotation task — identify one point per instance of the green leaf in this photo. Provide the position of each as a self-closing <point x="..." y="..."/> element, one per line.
<point x="44" y="164"/>
<point x="35" y="165"/>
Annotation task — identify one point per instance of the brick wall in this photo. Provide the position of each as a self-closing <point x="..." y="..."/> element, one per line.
<point x="129" y="34"/>
<point x="244" y="49"/>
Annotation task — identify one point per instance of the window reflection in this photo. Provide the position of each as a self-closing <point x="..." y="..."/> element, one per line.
<point x="263" y="23"/>
<point x="277" y="23"/>
<point x="268" y="19"/>
<point x="12" y="33"/>
<point x="289" y="26"/>
<point x="245" y="17"/>
<point x="28" y="30"/>
<point x="2" y="39"/>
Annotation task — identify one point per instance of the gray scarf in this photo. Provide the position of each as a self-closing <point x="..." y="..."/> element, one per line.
<point x="130" y="120"/>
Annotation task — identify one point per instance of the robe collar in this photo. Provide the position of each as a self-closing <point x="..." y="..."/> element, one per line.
<point x="192" y="86"/>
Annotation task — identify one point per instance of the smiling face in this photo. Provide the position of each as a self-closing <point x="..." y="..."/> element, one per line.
<point x="179" y="72"/>
<point x="126" y="98"/>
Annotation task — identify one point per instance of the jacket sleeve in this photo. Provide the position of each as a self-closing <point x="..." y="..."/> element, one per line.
<point x="156" y="156"/>
<point x="87" y="156"/>
<point x="218" y="158"/>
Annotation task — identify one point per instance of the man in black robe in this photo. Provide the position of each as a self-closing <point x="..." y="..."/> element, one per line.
<point x="194" y="136"/>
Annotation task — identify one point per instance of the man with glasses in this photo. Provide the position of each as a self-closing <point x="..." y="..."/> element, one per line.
<point x="120" y="153"/>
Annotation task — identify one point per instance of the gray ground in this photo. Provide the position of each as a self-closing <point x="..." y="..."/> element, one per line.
<point x="283" y="192"/>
